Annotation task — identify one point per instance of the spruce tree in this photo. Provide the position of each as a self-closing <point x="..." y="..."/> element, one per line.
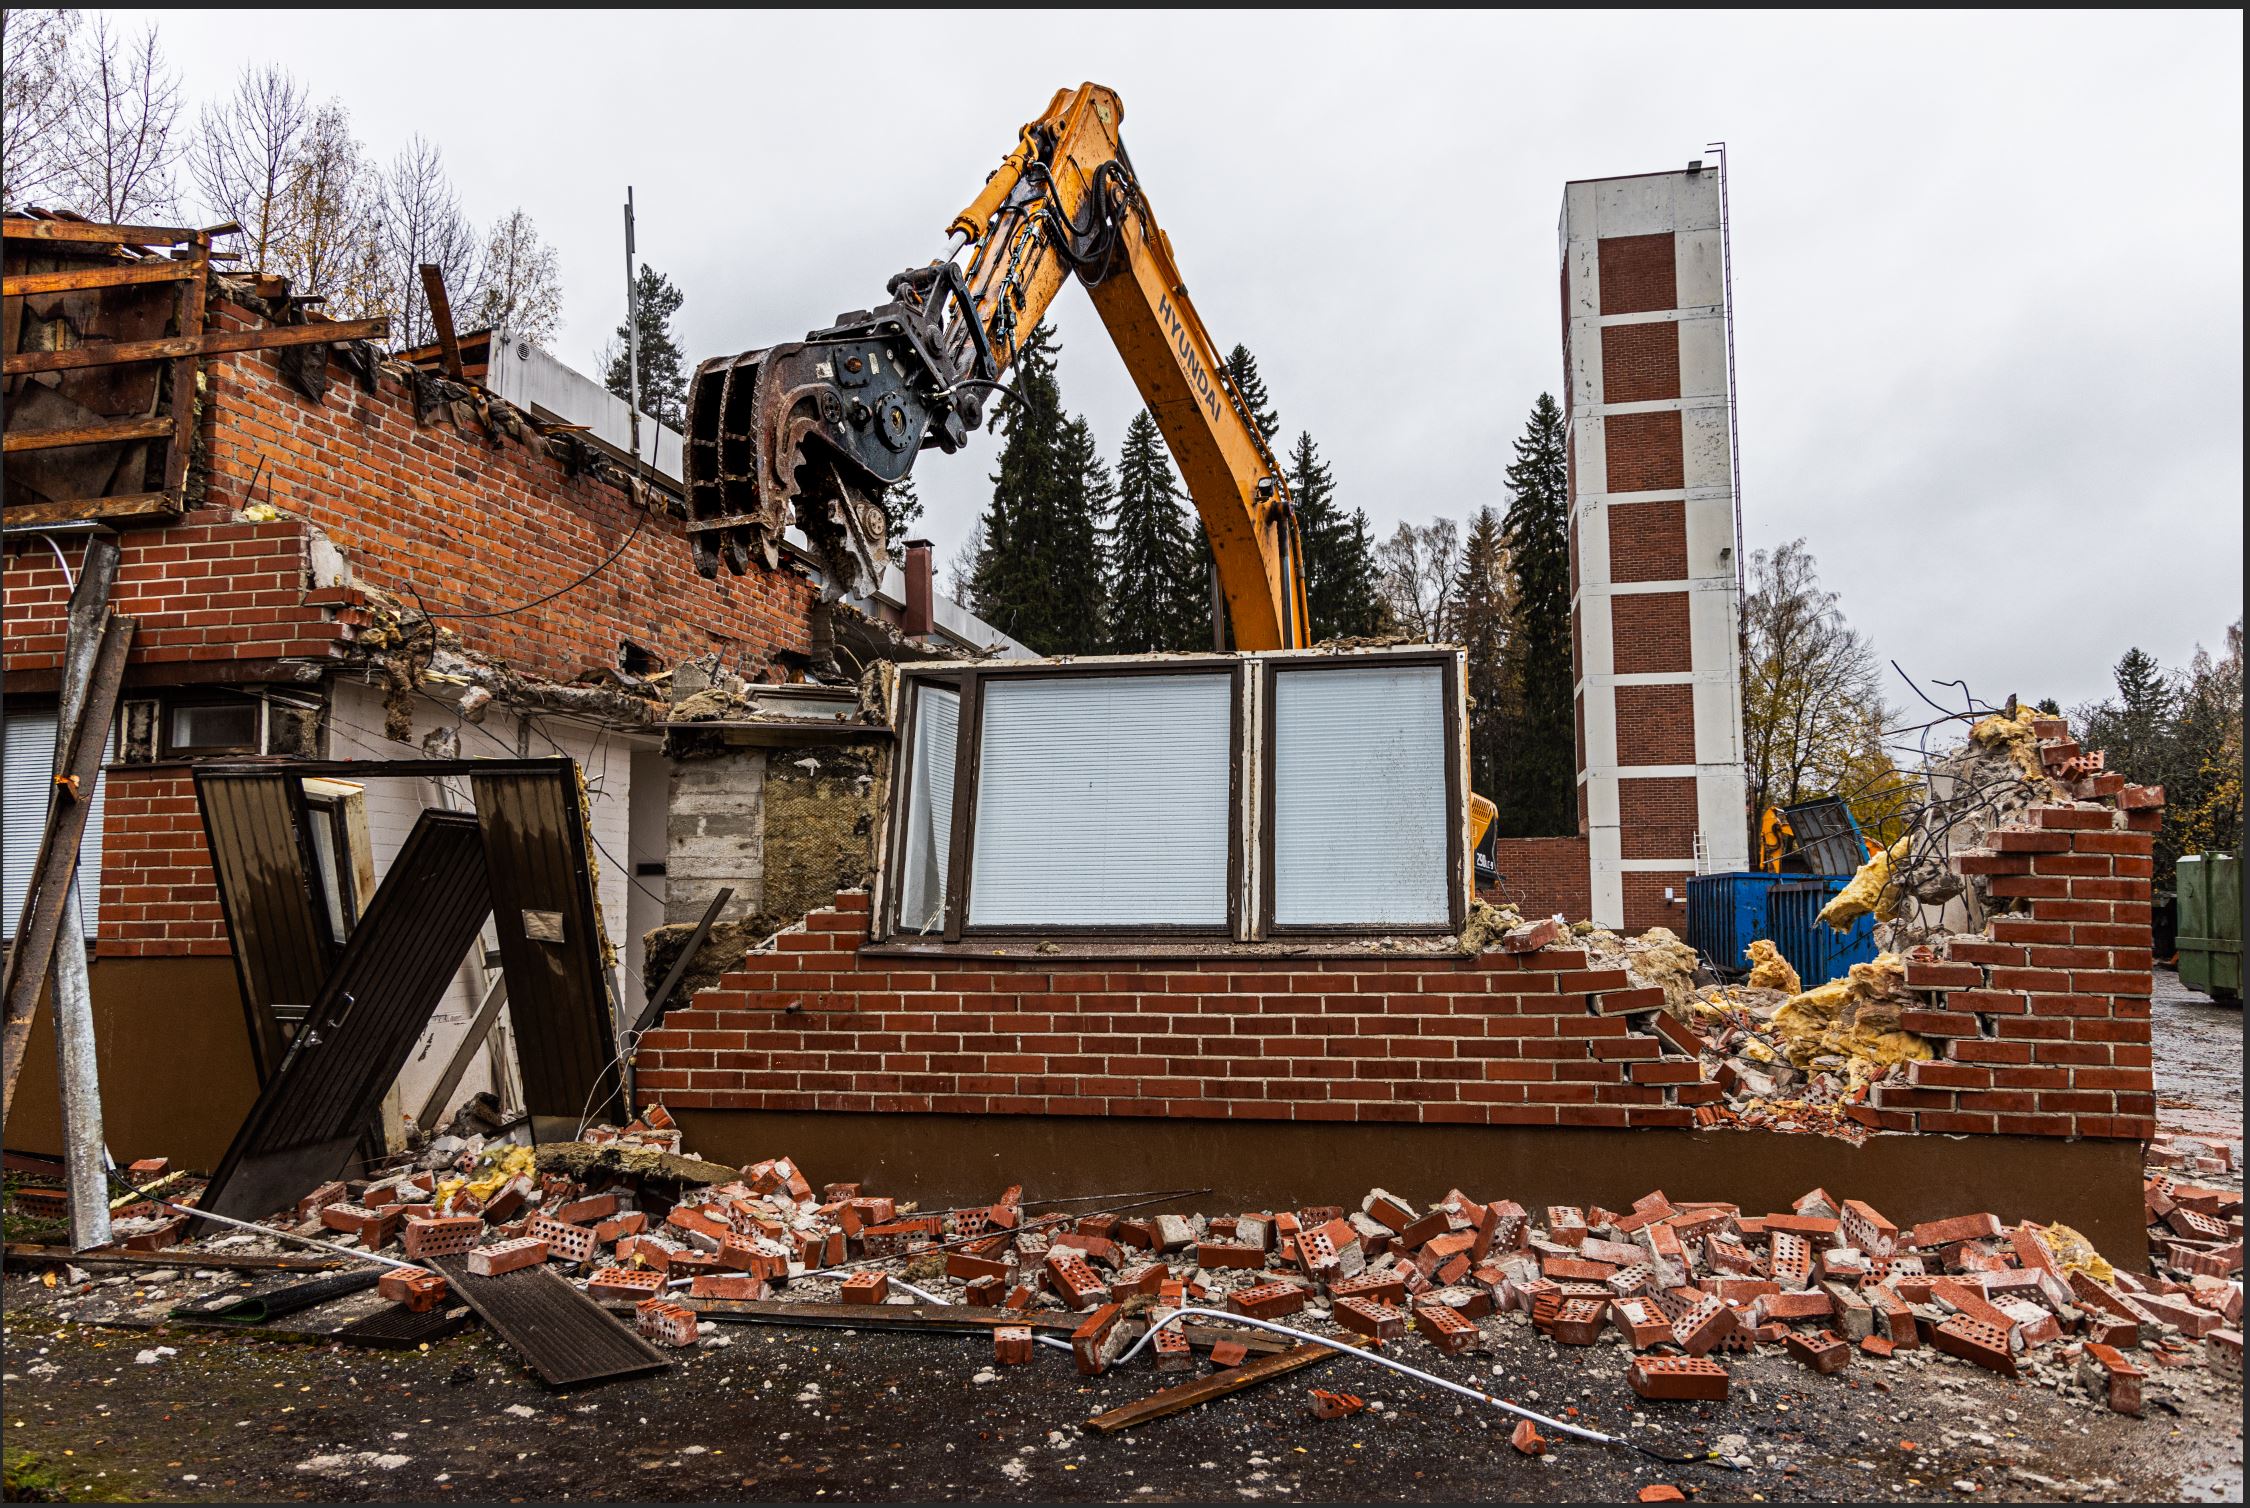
<point x="902" y="505"/>
<point x="1038" y="578"/>
<point x="1242" y="367"/>
<point x="1480" y="617"/>
<point x="663" y="364"/>
<point x="1156" y="581"/>
<point x="1534" y="791"/>
<point x="1358" y="597"/>
<point x="1324" y="531"/>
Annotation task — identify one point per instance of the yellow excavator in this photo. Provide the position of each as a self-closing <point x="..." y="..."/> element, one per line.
<point x="813" y="432"/>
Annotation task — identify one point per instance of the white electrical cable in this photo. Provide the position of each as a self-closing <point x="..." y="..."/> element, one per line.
<point x="929" y="1297"/>
<point x="1381" y="1361"/>
<point x="359" y="1254"/>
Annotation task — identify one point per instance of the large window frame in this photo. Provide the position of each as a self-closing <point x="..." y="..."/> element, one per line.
<point x="1449" y="693"/>
<point x="1251" y="807"/>
<point x="968" y="769"/>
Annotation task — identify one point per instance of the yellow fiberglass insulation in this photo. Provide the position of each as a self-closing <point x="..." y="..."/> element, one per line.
<point x="1855" y="1018"/>
<point x="1655" y="957"/>
<point x="1870" y="891"/>
<point x="2077" y="1254"/>
<point x="2016" y="735"/>
<point x="515" y="1162"/>
<point x="1769" y="970"/>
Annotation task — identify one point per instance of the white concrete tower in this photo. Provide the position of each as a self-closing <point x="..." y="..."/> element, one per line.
<point x="1655" y="540"/>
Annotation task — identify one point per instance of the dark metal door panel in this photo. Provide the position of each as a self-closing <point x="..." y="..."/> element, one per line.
<point x="364" y="1021"/>
<point x="282" y="950"/>
<point x="550" y="943"/>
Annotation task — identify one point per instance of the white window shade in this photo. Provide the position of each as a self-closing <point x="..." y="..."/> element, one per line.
<point x="26" y="781"/>
<point x="926" y="845"/>
<point x="1361" y="820"/>
<point x="1102" y="802"/>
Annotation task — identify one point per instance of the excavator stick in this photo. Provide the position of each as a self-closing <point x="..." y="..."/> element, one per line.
<point x="812" y="433"/>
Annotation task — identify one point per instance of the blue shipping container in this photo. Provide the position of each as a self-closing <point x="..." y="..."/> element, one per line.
<point x="1728" y="912"/>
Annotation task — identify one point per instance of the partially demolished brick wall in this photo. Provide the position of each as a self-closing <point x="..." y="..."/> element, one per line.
<point x="2044" y="1020"/>
<point x="2049" y="1026"/>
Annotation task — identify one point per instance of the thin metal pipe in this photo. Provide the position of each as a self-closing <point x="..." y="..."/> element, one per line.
<point x="357" y="1253"/>
<point x="1381" y="1361"/>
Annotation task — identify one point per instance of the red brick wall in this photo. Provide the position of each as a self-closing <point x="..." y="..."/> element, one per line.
<point x="1644" y="903"/>
<point x="1640" y="362"/>
<point x="1655" y="725"/>
<point x="1649" y="632"/>
<point x="1638" y="273"/>
<point x="1543" y="876"/>
<point x="2045" y="1023"/>
<point x="473" y="526"/>
<point x="1644" y="452"/>
<point x="1648" y="541"/>
<point x="1492" y="1039"/>
<point x="207" y="594"/>
<point x="1656" y="817"/>
<point x="158" y="895"/>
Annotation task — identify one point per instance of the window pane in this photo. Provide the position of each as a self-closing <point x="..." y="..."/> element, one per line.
<point x="27" y="772"/>
<point x="927" y="846"/>
<point x="218" y="725"/>
<point x="1360" y="814"/>
<point x="1102" y="801"/>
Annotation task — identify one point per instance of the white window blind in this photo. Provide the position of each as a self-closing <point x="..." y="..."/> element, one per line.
<point x="1360" y="812"/>
<point x="1102" y="801"/>
<point x="26" y="778"/>
<point x="926" y="846"/>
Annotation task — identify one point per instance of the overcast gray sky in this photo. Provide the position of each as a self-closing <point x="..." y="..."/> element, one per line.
<point x="1988" y="269"/>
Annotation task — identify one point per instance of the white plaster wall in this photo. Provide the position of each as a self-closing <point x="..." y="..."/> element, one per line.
<point x="1703" y="431"/>
<point x="1698" y="267"/>
<point x="1703" y="357"/>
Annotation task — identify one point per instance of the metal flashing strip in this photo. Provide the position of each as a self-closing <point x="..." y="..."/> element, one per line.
<point x="563" y="1335"/>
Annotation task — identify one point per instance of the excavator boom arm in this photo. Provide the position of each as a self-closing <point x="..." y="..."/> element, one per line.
<point x="812" y="432"/>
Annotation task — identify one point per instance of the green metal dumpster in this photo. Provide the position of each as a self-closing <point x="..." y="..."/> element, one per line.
<point x="2210" y="941"/>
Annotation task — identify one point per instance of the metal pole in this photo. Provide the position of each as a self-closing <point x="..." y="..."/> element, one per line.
<point x="632" y="331"/>
<point x="77" y="1069"/>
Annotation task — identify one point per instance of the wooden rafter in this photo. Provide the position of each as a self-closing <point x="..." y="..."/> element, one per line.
<point x="215" y="343"/>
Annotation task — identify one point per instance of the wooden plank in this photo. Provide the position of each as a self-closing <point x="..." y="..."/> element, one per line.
<point x="441" y="315"/>
<point x="959" y="1319"/>
<point x="28" y="1254"/>
<point x="16" y="229"/>
<point x="213" y="343"/>
<point x="54" y="866"/>
<point x="1218" y="1385"/>
<point x="124" y="507"/>
<point x="1256" y="1342"/>
<point x="90" y="434"/>
<point x="163" y="271"/>
<point x="183" y="370"/>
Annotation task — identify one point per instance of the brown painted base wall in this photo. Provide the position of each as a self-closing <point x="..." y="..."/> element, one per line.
<point x="2092" y="1186"/>
<point x="174" y="1057"/>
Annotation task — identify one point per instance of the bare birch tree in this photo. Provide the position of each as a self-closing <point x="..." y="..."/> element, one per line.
<point x="1419" y="566"/>
<point x="117" y="144"/>
<point x="36" y="88"/>
<point x="418" y="219"/>
<point x="519" y="284"/>
<point x="245" y="157"/>
<point x="327" y="244"/>
<point x="1813" y="712"/>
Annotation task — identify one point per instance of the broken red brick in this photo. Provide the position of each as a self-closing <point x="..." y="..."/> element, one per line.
<point x="420" y="1292"/>
<point x="2101" y="1368"/>
<point x="1526" y="1438"/>
<point x="1579" y="1322"/>
<point x="565" y="1242"/>
<point x="1823" y="1350"/>
<point x="624" y="1283"/>
<point x="665" y="1322"/>
<point x="1099" y="1339"/>
<point x="1267" y="1300"/>
<point x="1327" y="1405"/>
<point x="727" y="1285"/>
<point x="507" y="1256"/>
<point x="1974" y="1340"/>
<point x="444" y="1236"/>
<point x="1531" y="936"/>
<point x="1679" y="1379"/>
<point x="1229" y="1353"/>
<point x="865" y="1288"/>
<point x="1370" y="1317"/>
<point x="1936" y="1233"/>
<point x="1445" y="1329"/>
